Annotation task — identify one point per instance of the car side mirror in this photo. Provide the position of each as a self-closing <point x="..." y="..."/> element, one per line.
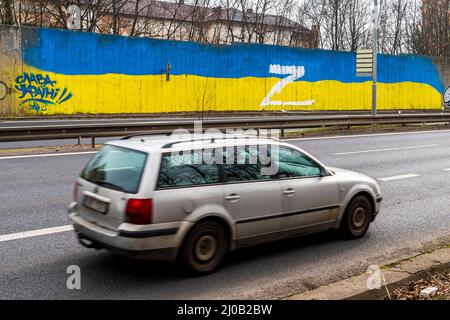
<point x="325" y="172"/>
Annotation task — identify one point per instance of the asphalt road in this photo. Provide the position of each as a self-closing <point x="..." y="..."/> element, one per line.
<point x="415" y="215"/>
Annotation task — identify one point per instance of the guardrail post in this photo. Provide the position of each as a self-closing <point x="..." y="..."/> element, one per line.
<point x="79" y="141"/>
<point x="93" y="142"/>
<point x="282" y="132"/>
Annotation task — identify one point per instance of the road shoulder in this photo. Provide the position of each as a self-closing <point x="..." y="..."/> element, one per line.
<point x="393" y="276"/>
<point x="25" y="151"/>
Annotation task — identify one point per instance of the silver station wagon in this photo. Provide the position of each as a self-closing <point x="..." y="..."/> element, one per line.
<point x="193" y="200"/>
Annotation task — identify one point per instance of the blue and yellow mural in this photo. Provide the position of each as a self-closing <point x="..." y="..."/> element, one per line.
<point x="68" y="72"/>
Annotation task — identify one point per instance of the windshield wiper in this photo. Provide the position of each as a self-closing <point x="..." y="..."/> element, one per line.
<point x="109" y="184"/>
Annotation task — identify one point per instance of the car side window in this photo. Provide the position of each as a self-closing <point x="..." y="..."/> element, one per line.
<point x="293" y="163"/>
<point x="187" y="169"/>
<point x="243" y="163"/>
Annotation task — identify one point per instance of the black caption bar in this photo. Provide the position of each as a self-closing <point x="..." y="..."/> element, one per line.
<point x="224" y="309"/>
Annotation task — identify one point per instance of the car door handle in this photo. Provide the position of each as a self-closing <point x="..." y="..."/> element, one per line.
<point x="233" y="196"/>
<point x="289" y="191"/>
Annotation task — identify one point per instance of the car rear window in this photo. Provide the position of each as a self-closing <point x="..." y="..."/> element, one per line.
<point x="116" y="168"/>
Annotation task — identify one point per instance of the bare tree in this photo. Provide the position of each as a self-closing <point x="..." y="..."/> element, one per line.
<point x="254" y="16"/>
<point x="393" y="15"/>
<point x="331" y="16"/>
<point x="399" y="14"/>
<point x="116" y="14"/>
<point x="432" y="37"/>
<point x="53" y="13"/>
<point x="135" y="17"/>
<point x="93" y="11"/>
<point x="356" y="35"/>
<point x="261" y="28"/>
<point x="198" y="15"/>
<point x="29" y="13"/>
<point x="413" y="26"/>
<point x="284" y="28"/>
<point x="312" y="13"/>
<point x="228" y="17"/>
<point x="6" y="12"/>
<point x="175" y="14"/>
<point x="405" y="26"/>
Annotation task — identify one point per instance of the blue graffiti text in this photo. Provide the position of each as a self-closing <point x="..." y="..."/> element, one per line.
<point x="38" y="91"/>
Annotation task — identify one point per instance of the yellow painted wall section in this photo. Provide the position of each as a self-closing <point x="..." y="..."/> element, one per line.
<point x="117" y="93"/>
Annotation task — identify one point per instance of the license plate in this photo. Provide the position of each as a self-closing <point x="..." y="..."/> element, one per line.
<point x="94" y="204"/>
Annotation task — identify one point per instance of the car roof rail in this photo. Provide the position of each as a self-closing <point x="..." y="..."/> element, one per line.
<point x="143" y="135"/>
<point x="213" y="139"/>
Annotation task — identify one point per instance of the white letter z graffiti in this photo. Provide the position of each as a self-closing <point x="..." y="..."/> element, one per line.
<point x="294" y="73"/>
<point x="447" y="97"/>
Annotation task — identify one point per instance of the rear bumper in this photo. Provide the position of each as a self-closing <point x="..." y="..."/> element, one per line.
<point x="153" y="242"/>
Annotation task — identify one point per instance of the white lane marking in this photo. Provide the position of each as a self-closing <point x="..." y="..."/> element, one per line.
<point x="404" y="176"/>
<point x="448" y="169"/>
<point x="35" y="233"/>
<point x="387" y="149"/>
<point x="288" y="139"/>
<point x="366" y="135"/>
<point x="47" y="155"/>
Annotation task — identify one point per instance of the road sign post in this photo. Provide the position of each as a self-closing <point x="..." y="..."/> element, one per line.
<point x="375" y="56"/>
<point x="366" y="60"/>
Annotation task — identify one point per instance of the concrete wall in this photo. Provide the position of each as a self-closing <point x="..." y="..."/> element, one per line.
<point x="48" y="71"/>
<point x="10" y="66"/>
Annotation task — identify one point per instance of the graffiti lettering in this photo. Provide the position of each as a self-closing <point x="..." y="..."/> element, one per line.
<point x="37" y="79"/>
<point x="447" y="97"/>
<point x="38" y="91"/>
<point x="293" y="73"/>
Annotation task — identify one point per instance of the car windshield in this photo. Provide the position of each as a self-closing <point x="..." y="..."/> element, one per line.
<point x="116" y="168"/>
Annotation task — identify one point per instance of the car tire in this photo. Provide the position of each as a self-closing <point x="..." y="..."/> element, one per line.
<point x="357" y="218"/>
<point x="204" y="248"/>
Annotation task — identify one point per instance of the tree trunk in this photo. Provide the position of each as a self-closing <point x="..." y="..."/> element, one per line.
<point x="7" y="7"/>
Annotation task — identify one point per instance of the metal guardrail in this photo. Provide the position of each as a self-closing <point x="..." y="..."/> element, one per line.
<point x="133" y="127"/>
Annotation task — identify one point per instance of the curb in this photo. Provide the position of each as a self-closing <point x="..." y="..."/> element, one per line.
<point x="395" y="275"/>
<point x="209" y="113"/>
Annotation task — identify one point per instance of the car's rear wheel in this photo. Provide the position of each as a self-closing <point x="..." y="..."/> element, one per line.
<point x="357" y="218"/>
<point x="204" y="247"/>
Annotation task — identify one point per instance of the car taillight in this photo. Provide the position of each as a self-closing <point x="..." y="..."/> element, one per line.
<point x="75" y="192"/>
<point x="139" y="211"/>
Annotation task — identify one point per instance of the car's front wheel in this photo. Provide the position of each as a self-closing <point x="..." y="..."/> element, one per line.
<point x="204" y="247"/>
<point x="357" y="218"/>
